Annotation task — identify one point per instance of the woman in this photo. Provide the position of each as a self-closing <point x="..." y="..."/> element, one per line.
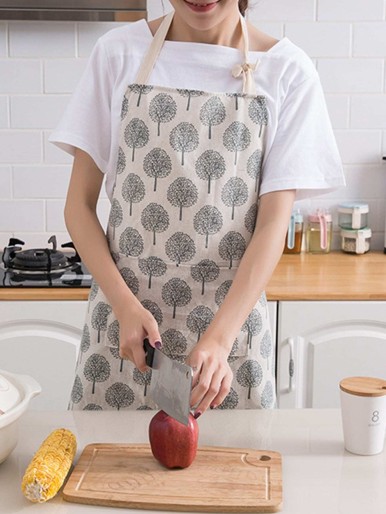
<point x="193" y="132"/>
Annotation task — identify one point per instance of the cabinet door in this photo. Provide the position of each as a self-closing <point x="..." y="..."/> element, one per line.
<point x="272" y="312"/>
<point x="319" y="343"/>
<point x="42" y="339"/>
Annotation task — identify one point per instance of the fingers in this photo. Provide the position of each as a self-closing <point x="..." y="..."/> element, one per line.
<point x="210" y="388"/>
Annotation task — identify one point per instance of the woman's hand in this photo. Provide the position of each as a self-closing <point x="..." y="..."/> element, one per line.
<point x="212" y="375"/>
<point x="136" y="323"/>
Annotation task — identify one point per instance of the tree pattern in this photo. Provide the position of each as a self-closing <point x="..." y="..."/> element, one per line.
<point x="210" y="166"/>
<point x="205" y="271"/>
<point x="162" y="109"/>
<point x="199" y="320"/>
<point x="157" y="164"/>
<point x="182" y="214"/>
<point x="182" y="193"/>
<point x="180" y="248"/>
<point x="142" y="379"/>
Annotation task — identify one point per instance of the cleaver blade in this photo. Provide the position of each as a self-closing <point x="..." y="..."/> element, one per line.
<point x="170" y="384"/>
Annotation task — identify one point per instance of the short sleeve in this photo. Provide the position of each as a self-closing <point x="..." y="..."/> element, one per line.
<point x="86" y="123"/>
<point x="303" y="154"/>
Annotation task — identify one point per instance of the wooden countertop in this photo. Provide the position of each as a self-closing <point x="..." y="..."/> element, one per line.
<point x="335" y="276"/>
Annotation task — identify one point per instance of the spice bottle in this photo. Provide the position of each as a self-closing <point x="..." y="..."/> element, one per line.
<point x="353" y="215"/>
<point x="356" y="241"/>
<point x="319" y="232"/>
<point x="293" y="240"/>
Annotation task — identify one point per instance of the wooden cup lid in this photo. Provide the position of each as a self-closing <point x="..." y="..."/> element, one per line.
<point x="363" y="386"/>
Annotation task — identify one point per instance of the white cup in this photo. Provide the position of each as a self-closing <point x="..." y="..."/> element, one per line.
<point x="363" y="407"/>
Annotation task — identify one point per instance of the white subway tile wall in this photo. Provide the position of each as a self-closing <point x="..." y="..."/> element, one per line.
<point x="41" y="63"/>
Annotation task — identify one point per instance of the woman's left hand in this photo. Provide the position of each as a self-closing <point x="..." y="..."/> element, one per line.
<point x="212" y="375"/>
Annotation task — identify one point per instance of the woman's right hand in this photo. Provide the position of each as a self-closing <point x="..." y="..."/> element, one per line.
<point x="135" y="324"/>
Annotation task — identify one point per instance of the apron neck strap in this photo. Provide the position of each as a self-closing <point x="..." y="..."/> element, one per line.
<point x="244" y="70"/>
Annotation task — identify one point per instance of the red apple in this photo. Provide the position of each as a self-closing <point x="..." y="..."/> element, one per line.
<point x="173" y="444"/>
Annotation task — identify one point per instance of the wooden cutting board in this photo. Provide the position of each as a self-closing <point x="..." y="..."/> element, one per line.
<point x="219" y="480"/>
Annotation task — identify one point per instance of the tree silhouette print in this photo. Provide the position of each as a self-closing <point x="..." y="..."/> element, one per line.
<point x="232" y="246"/>
<point x="249" y="375"/>
<point x="180" y="247"/>
<point x="263" y="300"/>
<point x="252" y="325"/>
<point x="250" y="218"/>
<point x="210" y="166"/>
<point x="155" y="218"/>
<point x="140" y="89"/>
<point x="142" y="379"/>
<point x="199" y="319"/>
<point x="154" y="310"/>
<point x="125" y="107"/>
<point x="205" y="271"/>
<point x="130" y="279"/>
<point x="234" y="193"/>
<point x="152" y="267"/>
<point x="133" y="190"/>
<point x="184" y="138"/>
<point x="254" y="166"/>
<point x="92" y="406"/>
<point x="96" y="369"/>
<point x="176" y="293"/>
<point x="116" y="215"/>
<point x="77" y="390"/>
<point x="174" y="344"/>
<point x="93" y="294"/>
<point x="230" y="401"/>
<point x="119" y="395"/>
<point x="236" y="138"/>
<point x="207" y="221"/>
<point x="236" y="96"/>
<point x="162" y="109"/>
<point x="182" y="193"/>
<point x="258" y="111"/>
<point x="157" y="164"/>
<point x="232" y="357"/>
<point x="121" y="162"/>
<point x="212" y="113"/>
<point x="136" y="135"/>
<point x="131" y="242"/>
<point x="99" y="317"/>
<point x="222" y="291"/>
<point x="190" y="93"/>
<point x="266" y="346"/>
<point x="144" y="407"/>
<point x="113" y="337"/>
<point x="85" y="342"/>
<point x="267" y="396"/>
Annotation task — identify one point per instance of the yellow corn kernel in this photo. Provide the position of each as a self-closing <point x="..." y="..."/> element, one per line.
<point x="49" y="466"/>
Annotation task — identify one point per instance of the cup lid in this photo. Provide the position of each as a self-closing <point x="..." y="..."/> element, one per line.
<point x="349" y="207"/>
<point x="363" y="386"/>
<point x="315" y="217"/>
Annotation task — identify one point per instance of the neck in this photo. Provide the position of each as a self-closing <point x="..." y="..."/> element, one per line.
<point x="227" y="33"/>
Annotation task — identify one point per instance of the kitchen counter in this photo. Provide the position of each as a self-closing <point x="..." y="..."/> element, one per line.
<point x="319" y="476"/>
<point x="334" y="276"/>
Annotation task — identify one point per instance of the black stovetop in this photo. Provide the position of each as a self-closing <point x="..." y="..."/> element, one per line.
<point x="42" y="267"/>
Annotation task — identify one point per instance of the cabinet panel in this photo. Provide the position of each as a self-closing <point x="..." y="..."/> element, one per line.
<point x="42" y="339"/>
<point x="319" y="343"/>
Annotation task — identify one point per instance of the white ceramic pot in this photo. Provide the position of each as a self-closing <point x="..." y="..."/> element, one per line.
<point x="27" y="387"/>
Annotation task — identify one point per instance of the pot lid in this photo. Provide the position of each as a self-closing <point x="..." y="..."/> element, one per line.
<point x="363" y="386"/>
<point x="9" y="395"/>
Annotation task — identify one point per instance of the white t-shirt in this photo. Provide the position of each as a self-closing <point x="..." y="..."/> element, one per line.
<point x="300" y="150"/>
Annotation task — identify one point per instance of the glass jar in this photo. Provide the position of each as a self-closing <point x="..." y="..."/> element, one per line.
<point x="353" y="215"/>
<point x="319" y="232"/>
<point x="293" y="240"/>
<point x="356" y="241"/>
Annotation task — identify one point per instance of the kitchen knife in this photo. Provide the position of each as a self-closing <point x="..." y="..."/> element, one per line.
<point x="170" y="384"/>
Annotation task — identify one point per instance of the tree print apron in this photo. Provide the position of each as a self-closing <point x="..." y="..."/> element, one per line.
<point x="182" y="214"/>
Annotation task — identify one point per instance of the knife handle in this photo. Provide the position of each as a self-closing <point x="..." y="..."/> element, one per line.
<point x="149" y="350"/>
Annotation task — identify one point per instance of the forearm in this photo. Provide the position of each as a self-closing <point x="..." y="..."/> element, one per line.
<point x="255" y="270"/>
<point x="91" y="243"/>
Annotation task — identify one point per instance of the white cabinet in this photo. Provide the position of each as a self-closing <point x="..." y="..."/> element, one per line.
<point x="41" y="339"/>
<point x="319" y="343"/>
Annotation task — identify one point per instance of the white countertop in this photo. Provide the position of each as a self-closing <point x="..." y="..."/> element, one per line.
<point x="319" y="476"/>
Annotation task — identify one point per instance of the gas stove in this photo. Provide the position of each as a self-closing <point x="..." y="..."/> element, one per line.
<point x="42" y="267"/>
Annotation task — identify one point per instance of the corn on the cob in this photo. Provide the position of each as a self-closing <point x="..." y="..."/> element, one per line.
<point x="49" y="466"/>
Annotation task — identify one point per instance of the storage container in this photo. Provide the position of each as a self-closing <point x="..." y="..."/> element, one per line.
<point x="319" y="232"/>
<point x="356" y="241"/>
<point x="293" y="240"/>
<point x="353" y="215"/>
